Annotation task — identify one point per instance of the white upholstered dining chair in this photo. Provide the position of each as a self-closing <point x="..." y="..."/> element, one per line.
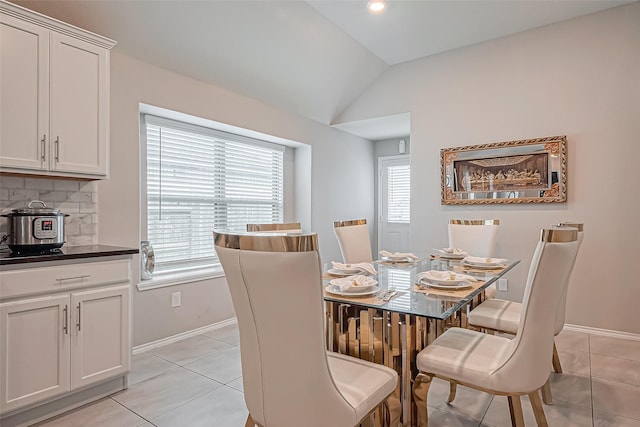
<point x="290" y="227"/>
<point x="289" y="377"/>
<point x="499" y="365"/>
<point x="504" y="316"/>
<point x="475" y="236"/>
<point x="353" y="239"/>
<point x="478" y="238"/>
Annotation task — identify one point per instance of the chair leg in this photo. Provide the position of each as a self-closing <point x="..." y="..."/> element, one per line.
<point x="515" y="410"/>
<point x="420" y="392"/>
<point x="538" y="410"/>
<point x="546" y="393"/>
<point x="452" y="391"/>
<point x="555" y="360"/>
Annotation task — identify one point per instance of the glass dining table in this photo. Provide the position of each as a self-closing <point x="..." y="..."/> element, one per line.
<point x="393" y="324"/>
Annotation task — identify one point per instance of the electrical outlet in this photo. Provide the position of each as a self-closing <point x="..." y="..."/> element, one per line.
<point x="503" y="285"/>
<point x="176" y="299"/>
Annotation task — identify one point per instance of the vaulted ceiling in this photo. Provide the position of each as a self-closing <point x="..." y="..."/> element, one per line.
<point x="311" y="57"/>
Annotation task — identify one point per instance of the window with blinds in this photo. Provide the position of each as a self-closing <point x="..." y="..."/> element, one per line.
<point x="398" y="194"/>
<point x="200" y="179"/>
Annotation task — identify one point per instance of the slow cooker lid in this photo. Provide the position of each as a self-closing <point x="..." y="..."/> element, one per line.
<point x="31" y="210"/>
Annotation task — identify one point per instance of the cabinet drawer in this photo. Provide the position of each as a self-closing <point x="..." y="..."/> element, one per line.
<point x="62" y="277"/>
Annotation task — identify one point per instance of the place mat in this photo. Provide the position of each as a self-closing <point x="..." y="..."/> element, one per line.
<point x="329" y="276"/>
<point x="395" y="263"/>
<point x="466" y="268"/>
<point x="458" y="293"/>
<point x="369" y="300"/>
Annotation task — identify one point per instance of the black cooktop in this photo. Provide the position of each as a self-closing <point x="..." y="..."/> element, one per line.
<point x="64" y="253"/>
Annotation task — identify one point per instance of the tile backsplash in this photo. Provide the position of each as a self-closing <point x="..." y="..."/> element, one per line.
<point x="79" y="199"/>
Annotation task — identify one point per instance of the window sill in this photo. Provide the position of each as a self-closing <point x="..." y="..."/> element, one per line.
<point x="174" y="279"/>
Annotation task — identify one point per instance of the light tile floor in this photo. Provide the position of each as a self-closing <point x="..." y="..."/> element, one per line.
<point x="197" y="382"/>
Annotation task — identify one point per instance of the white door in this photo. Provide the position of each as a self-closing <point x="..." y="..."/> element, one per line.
<point x="394" y="202"/>
<point x="34" y="352"/>
<point x="100" y="330"/>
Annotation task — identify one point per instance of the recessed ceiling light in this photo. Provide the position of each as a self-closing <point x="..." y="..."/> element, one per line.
<point x="376" y="6"/>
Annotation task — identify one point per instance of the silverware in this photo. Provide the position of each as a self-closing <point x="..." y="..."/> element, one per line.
<point x="382" y="293"/>
<point x="390" y="294"/>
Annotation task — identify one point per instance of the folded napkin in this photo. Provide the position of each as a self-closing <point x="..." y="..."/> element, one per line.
<point x="443" y="275"/>
<point x="351" y="283"/>
<point x="452" y="251"/>
<point x="359" y="266"/>
<point x="481" y="260"/>
<point x="399" y="255"/>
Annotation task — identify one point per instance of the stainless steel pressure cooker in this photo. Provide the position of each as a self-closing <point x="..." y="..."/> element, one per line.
<point x="35" y="229"/>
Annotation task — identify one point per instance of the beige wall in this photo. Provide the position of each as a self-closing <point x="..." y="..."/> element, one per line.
<point x="337" y="158"/>
<point x="579" y="78"/>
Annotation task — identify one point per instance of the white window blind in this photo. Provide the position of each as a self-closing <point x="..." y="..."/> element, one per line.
<point x="200" y="179"/>
<point x="398" y="194"/>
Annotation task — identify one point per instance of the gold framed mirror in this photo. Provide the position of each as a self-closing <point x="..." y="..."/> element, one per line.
<point x="523" y="171"/>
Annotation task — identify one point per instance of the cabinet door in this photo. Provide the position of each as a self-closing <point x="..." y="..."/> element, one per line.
<point x="79" y="106"/>
<point x="100" y="347"/>
<point x="34" y="351"/>
<point x="24" y="94"/>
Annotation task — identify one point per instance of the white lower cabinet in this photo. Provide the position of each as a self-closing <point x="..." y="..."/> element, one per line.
<point x="55" y="344"/>
<point x="99" y="335"/>
<point x="35" y="350"/>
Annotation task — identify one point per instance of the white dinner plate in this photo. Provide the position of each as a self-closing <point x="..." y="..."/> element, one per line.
<point x="462" y="285"/>
<point x="334" y="289"/>
<point x="484" y="262"/>
<point x="345" y="273"/>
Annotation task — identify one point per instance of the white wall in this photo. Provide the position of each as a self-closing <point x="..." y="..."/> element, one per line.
<point x="341" y="178"/>
<point x="579" y="78"/>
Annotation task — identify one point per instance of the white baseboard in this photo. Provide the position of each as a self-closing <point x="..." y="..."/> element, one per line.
<point x="188" y="334"/>
<point x="603" y="332"/>
<point x="183" y="335"/>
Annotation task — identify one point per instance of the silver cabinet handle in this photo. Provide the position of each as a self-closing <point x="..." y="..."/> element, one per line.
<point x="44" y="147"/>
<point x="57" y="149"/>
<point x="60" y="279"/>
<point x="65" y="320"/>
<point x="78" y="322"/>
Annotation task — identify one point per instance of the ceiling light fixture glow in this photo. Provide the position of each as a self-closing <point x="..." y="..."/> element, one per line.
<point x="376" y="6"/>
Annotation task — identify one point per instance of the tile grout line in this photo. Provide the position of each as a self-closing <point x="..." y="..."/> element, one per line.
<point x="190" y="400"/>
<point x="486" y="410"/>
<point x="131" y="410"/>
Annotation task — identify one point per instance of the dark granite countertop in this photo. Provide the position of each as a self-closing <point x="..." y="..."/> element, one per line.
<point x="66" y="253"/>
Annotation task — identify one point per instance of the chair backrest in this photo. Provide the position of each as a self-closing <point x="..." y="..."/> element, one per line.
<point x="276" y="287"/>
<point x="291" y="227"/>
<point x="562" y="309"/>
<point x="353" y="239"/>
<point x="525" y="364"/>
<point x="475" y="236"/>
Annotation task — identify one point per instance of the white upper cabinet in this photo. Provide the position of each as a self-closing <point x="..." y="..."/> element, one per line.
<point x="54" y="97"/>
<point x="24" y="93"/>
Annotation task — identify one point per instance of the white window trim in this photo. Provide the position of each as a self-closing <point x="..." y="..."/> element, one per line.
<point x="181" y="278"/>
<point x="167" y="279"/>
